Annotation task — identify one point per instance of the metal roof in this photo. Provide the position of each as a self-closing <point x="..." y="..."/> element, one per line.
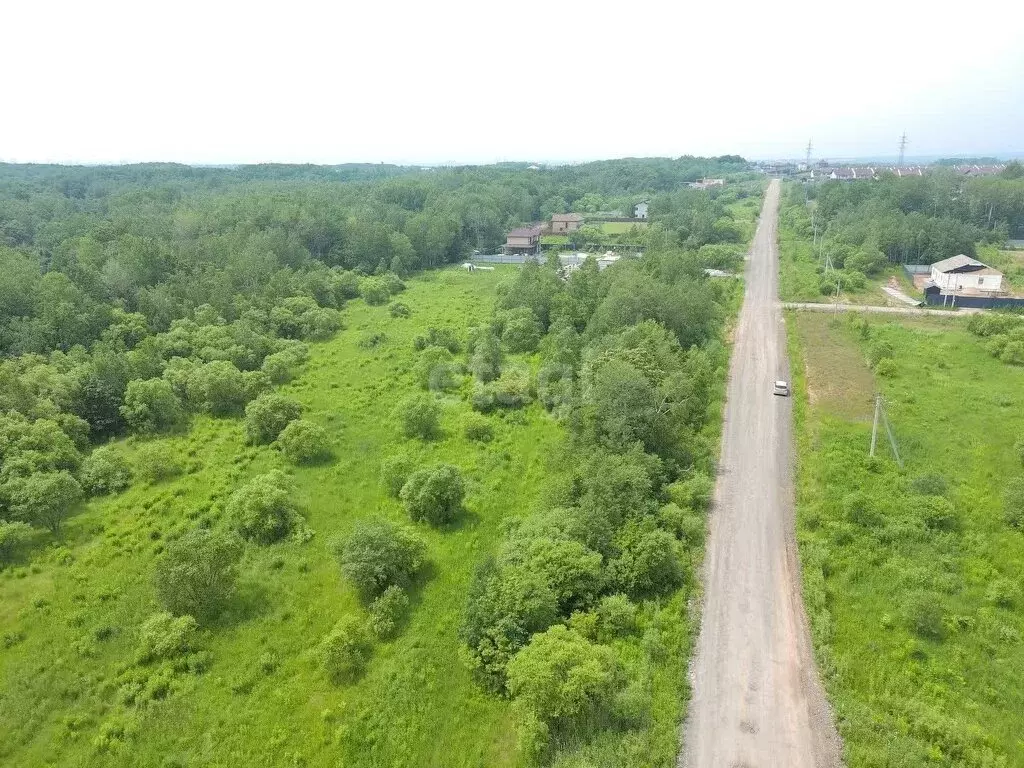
<point x="957" y="262"/>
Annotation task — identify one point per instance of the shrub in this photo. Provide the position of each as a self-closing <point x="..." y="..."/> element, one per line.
<point x="1013" y="503"/>
<point x="485" y="360"/>
<point x="419" y="416"/>
<point x="859" y="508"/>
<point x="504" y="607"/>
<point x="478" y="428"/>
<point x="695" y="492"/>
<point x="686" y="524"/>
<point x="394" y="471"/>
<point x="268" y="415"/>
<point x="886" y="367"/>
<point x="303" y="441"/>
<point x="163" y="636"/>
<point x="555" y="386"/>
<point x="434" y="494"/>
<point x="280" y="366"/>
<point x="150" y="406"/>
<point x="930" y="484"/>
<point x="521" y="331"/>
<point x="105" y="470"/>
<point x="264" y="509"/>
<point x="372" y="339"/>
<point x="393" y="282"/>
<point x="438" y="337"/>
<point x="650" y="561"/>
<point x="938" y="514"/>
<point x="924" y="615"/>
<point x="387" y="611"/>
<point x="13" y="535"/>
<point x="398" y="309"/>
<point x="569" y="568"/>
<point x="157" y="462"/>
<point x="435" y="369"/>
<point x="46" y="498"/>
<point x="219" y="388"/>
<point x="346" y="650"/>
<point x="196" y="573"/>
<point x="374" y="291"/>
<point x="378" y="555"/>
<point x="561" y="676"/>
<point x="616" y="616"/>
<point x="1003" y="592"/>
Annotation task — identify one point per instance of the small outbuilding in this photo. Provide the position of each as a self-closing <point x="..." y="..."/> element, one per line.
<point x="962" y="273"/>
<point x="562" y="223"/>
<point x="640" y="210"/>
<point x="523" y="240"/>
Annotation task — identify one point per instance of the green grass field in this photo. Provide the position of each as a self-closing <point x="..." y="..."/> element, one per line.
<point x="911" y="578"/>
<point x="620" y="227"/>
<point x="69" y="614"/>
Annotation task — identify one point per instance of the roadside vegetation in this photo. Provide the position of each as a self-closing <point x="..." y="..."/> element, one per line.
<point x="870" y="229"/>
<point x="269" y="493"/>
<point x="912" y="577"/>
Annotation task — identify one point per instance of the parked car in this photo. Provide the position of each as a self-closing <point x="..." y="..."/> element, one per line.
<point x="781" y="388"/>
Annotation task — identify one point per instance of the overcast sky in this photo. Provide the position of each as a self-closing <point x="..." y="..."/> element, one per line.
<point x="225" y="81"/>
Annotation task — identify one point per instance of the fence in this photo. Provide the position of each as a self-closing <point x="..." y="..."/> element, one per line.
<point x="974" y="302"/>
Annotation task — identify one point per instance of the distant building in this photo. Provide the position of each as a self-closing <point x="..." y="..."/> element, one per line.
<point x="860" y="174"/>
<point x="979" y="170"/>
<point x="565" y="222"/>
<point x="706" y="183"/>
<point x="524" y="240"/>
<point x="640" y="210"/>
<point x="904" y="173"/>
<point x="963" y="274"/>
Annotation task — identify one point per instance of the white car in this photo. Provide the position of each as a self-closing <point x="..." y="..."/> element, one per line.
<point x="781" y="388"/>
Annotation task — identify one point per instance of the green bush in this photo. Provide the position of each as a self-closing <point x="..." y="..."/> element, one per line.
<point x="1003" y="593"/>
<point x="398" y="309"/>
<point x="264" y="509"/>
<point x="268" y="415"/>
<point x="387" y="611"/>
<point x="521" y="331"/>
<point x="434" y="494"/>
<point x="394" y="471"/>
<point x="438" y="337"/>
<point x="150" y="406"/>
<point x="485" y="356"/>
<point x="46" y="499"/>
<point x="886" y="367"/>
<point x="687" y="525"/>
<point x="374" y="291"/>
<point x="419" y="416"/>
<point x="163" y="636"/>
<point x="13" y="535"/>
<point x="196" y="573"/>
<point x="157" y="462"/>
<point x="105" y="470"/>
<point x="561" y="676"/>
<point x="478" y="428"/>
<point x="616" y="616"/>
<point x="377" y="555"/>
<point x="650" y="561"/>
<point x="938" y="514"/>
<point x="346" y="650"/>
<point x="435" y="369"/>
<point x="1013" y="503"/>
<point x="924" y="615"/>
<point x="930" y="484"/>
<point x="303" y="442"/>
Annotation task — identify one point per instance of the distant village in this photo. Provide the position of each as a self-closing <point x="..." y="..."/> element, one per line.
<point x="825" y="171"/>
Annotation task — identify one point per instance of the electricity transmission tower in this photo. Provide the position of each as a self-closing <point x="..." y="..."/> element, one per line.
<point x="880" y="411"/>
<point x="807" y="160"/>
<point x="903" y="148"/>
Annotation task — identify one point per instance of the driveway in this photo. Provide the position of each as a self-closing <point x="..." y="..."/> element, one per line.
<point x="757" y="700"/>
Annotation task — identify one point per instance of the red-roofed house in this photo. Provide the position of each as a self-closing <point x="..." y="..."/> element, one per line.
<point x="523" y="240"/>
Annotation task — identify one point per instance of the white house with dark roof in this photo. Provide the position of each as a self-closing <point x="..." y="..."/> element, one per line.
<point x="640" y="210"/>
<point x="962" y="273"/>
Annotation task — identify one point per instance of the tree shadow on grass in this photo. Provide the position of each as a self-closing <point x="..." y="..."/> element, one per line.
<point x="251" y="600"/>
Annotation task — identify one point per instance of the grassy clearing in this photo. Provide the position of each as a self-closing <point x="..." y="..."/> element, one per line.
<point x="621" y="227"/>
<point x="1011" y="263"/>
<point x="912" y="578"/>
<point x="70" y="617"/>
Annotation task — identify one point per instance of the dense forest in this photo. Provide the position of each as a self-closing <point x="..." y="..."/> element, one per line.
<point x="141" y="301"/>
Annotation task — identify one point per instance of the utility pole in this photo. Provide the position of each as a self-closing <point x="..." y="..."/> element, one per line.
<point x="880" y="412"/>
<point x="903" y="148"/>
<point x="874" y="425"/>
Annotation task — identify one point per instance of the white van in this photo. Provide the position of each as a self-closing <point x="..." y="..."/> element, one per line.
<point x="781" y="388"/>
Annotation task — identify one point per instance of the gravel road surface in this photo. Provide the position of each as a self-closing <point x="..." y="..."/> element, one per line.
<point x="757" y="700"/>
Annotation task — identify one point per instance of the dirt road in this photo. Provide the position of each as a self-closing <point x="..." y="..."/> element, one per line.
<point x="757" y="701"/>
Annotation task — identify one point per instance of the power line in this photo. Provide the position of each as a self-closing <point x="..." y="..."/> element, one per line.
<point x="903" y="148"/>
